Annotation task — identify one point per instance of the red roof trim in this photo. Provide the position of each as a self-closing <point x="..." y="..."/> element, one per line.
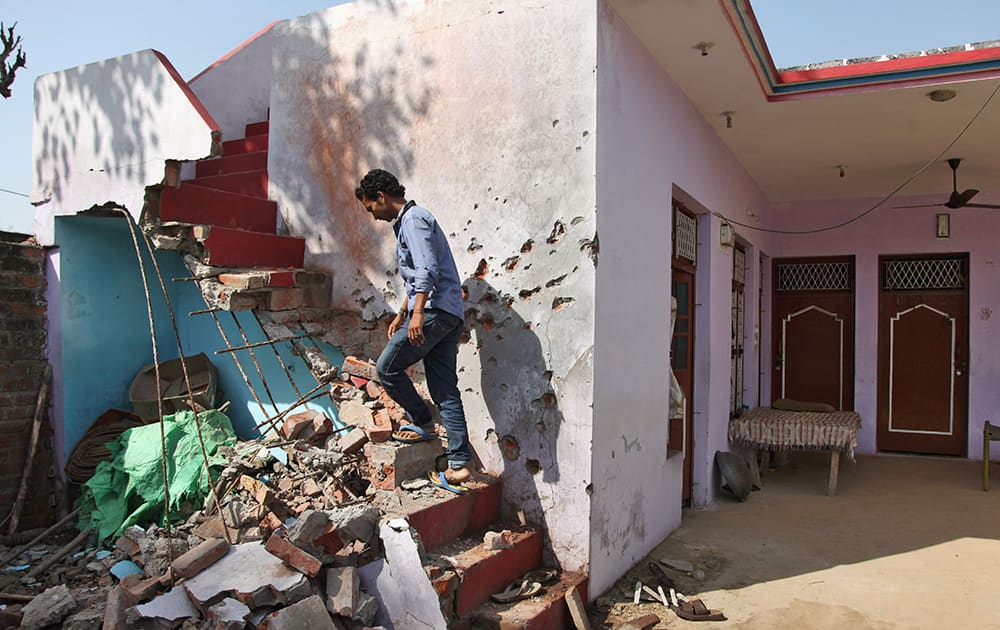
<point x="195" y="101"/>
<point x="890" y="65"/>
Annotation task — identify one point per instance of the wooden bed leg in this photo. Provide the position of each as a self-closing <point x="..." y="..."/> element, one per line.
<point x="765" y="461"/>
<point x="834" y="471"/>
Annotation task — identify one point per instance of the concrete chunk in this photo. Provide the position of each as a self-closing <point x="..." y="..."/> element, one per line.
<point x="251" y="575"/>
<point x="355" y="522"/>
<point x="173" y="605"/>
<point x="355" y="414"/>
<point x="119" y="600"/>
<point x="229" y="614"/>
<point x="353" y="441"/>
<point x="200" y="558"/>
<point x="342" y="589"/>
<point x="49" y="608"/>
<point x="307" y="614"/>
<point x="310" y="525"/>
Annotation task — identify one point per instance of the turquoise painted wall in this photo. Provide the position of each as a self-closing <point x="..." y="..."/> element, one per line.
<point x="106" y="340"/>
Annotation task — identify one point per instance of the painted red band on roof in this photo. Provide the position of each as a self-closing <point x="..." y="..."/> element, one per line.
<point x="195" y="101"/>
<point x="942" y="60"/>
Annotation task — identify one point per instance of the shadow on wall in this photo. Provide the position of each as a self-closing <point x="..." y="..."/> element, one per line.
<point x="345" y="106"/>
<point x="516" y="385"/>
<point x="93" y="119"/>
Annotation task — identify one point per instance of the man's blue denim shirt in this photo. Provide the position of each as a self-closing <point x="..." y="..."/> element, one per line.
<point x="425" y="260"/>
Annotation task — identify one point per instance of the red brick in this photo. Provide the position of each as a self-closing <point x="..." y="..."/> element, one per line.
<point x="283" y="299"/>
<point x="141" y="589"/>
<point x="293" y="556"/>
<point x="353" y="441"/>
<point x="381" y="429"/>
<point x="373" y="389"/>
<point x="362" y="369"/>
<point x="196" y="560"/>
<point x="330" y="540"/>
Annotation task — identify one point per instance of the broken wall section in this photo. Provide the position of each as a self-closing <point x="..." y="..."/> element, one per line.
<point x="486" y="113"/>
<point x="22" y="366"/>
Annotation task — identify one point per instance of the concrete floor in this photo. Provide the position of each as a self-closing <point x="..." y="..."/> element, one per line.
<point x="909" y="542"/>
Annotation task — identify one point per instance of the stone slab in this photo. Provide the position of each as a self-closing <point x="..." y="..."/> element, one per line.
<point x="250" y="574"/>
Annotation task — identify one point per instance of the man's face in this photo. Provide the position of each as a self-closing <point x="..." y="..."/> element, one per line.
<point x="379" y="207"/>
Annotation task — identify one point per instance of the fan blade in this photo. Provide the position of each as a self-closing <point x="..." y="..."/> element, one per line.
<point x="967" y="196"/>
<point x="926" y="205"/>
<point x="982" y="205"/>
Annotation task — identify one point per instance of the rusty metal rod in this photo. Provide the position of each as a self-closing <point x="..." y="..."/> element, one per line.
<point x="204" y="311"/>
<point x="302" y="400"/>
<point x="257" y="344"/>
<point x="256" y="364"/>
<point x="277" y="355"/>
<point x="239" y="366"/>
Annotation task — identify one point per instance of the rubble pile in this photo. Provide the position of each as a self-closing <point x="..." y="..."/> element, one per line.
<point x="279" y="543"/>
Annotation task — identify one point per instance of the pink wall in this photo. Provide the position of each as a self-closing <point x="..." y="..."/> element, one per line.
<point x="891" y="231"/>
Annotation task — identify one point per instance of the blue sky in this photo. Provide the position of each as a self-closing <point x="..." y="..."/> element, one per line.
<point x="192" y="35"/>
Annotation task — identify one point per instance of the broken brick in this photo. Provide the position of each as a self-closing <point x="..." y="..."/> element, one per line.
<point x="380" y="429"/>
<point x="280" y="547"/>
<point x="142" y="589"/>
<point x="498" y="540"/>
<point x="393" y="463"/>
<point x="284" y="299"/>
<point x="119" y="600"/>
<point x="311" y="489"/>
<point x="271" y="522"/>
<point x="199" y="558"/>
<point x="308" y="613"/>
<point x="353" y="441"/>
<point x="359" y="382"/>
<point x="296" y="424"/>
<point x="342" y="590"/>
<point x="262" y="493"/>
<point x="355" y="414"/>
<point x="361" y="369"/>
<point x="373" y="389"/>
<point x="330" y="540"/>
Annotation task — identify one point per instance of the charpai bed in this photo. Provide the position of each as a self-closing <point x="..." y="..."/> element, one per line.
<point x="777" y="429"/>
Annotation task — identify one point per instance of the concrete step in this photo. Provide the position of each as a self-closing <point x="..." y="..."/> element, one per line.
<point x="257" y="128"/>
<point x="237" y="163"/>
<point x="441" y="517"/>
<point x="249" y="183"/>
<point x="227" y="247"/>
<point x="204" y="206"/>
<point x="546" y="611"/>
<point x="486" y="571"/>
<point x="245" y="145"/>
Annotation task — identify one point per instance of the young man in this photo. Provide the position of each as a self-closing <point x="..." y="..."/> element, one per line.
<point x="427" y="326"/>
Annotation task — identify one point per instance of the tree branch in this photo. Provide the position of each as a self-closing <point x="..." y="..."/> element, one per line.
<point x="8" y="69"/>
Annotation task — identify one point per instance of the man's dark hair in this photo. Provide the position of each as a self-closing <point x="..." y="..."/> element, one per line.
<point x="377" y="181"/>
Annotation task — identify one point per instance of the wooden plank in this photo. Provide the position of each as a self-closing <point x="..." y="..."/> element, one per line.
<point x="36" y="427"/>
<point x="577" y="610"/>
<point x="834" y="472"/>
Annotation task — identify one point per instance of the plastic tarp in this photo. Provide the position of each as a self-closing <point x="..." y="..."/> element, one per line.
<point x="128" y="490"/>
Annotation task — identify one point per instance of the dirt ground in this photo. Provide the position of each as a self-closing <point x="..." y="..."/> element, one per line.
<point x="908" y="542"/>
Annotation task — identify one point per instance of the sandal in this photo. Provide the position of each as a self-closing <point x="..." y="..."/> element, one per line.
<point x="438" y="479"/>
<point x="696" y="610"/>
<point x="422" y="434"/>
<point x="516" y="591"/>
<point x="542" y="576"/>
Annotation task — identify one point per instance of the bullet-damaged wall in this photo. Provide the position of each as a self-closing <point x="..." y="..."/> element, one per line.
<point x="486" y="113"/>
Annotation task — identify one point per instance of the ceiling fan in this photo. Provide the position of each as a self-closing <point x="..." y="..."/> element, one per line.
<point x="957" y="199"/>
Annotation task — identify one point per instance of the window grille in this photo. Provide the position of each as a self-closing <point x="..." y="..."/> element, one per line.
<point x="922" y="274"/>
<point x="736" y="340"/>
<point x="830" y="276"/>
<point x="685" y="236"/>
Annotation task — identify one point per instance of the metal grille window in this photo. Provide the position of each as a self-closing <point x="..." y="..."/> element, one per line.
<point x="833" y="276"/>
<point x="923" y="274"/>
<point x="685" y="236"/>
<point x="738" y="321"/>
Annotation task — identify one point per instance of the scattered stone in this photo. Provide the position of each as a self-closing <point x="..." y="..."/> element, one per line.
<point x="48" y="608"/>
<point x="142" y="589"/>
<point x="678" y="565"/>
<point x="353" y="441"/>
<point x="229" y="614"/>
<point x="89" y="619"/>
<point x="361" y="369"/>
<point x="308" y="613"/>
<point x="355" y="414"/>
<point x="198" y="559"/>
<point x="499" y="540"/>
<point x="342" y="590"/>
<point x="355" y="522"/>
<point x="310" y="525"/>
<point x="174" y="605"/>
<point x="367" y="609"/>
<point x="415" y="484"/>
<point x="119" y="600"/>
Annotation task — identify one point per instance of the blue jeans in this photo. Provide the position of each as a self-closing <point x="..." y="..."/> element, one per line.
<point x="439" y="352"/>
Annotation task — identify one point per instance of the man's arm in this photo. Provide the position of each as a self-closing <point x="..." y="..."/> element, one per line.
<point x="415" y="331"/>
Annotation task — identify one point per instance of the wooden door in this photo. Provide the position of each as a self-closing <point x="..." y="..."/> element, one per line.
<point x="682" y="363"/>
<point x="813" y="330"/>
<point x="923" y="355"/>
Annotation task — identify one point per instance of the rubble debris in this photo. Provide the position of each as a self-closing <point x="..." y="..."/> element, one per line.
<point x="645" y="622"/>
<point x="250" y="574"/>
<point x="577" y="610"/>
<point x="51" y="607"/>
<point x="293" y="556"/>
<point x="342" y="590"/>
<point x="228" y="614"/>
<point x="498" y="540"/>
<point x="174" y="605"/>
<point x="199" y="558"/>
<point x="360" y="369"/>
<point x="311" y="426"/>
<point x="308" y="613"/>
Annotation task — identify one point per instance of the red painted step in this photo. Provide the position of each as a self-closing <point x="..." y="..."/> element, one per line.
<point x="240" y="248"/>
<point x="257" y="129"/>
<point x="236" y="163"/>
<point x="245" y="145"/>
<point x="547" y="611"/>
<point x="487" y="571"/>
<point x="204" y="206"/>
<point x="251" y="183"/>
<point x="446" y="520"/>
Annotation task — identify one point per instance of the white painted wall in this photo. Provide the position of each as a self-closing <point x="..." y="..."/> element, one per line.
<point x="486" y="113"/>
<point x="236" y="89"/>
<point x="103" y="131"/>
<point x="652" y="143"/>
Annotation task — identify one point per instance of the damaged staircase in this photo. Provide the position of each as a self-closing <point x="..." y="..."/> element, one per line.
<point x="227" y="229"/>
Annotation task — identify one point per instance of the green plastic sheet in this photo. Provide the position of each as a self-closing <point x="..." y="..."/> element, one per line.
<point x="128" y="490"/>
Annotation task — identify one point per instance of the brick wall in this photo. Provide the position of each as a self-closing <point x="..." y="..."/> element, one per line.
<point x="22" y="365"/>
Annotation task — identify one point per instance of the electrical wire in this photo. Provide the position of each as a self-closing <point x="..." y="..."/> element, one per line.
<point x="884" y="199"/>
<point x="13" y="192"/>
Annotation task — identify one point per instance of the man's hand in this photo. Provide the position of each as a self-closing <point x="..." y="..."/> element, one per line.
<point x="415" y="331"/>
<point x="396" y="323"/>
